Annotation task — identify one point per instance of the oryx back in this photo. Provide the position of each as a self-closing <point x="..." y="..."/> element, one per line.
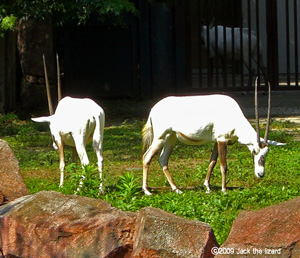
<point x="197" y="120"/>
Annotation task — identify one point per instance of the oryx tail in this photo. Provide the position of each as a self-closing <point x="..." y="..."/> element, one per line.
<point x="147" y="134"/>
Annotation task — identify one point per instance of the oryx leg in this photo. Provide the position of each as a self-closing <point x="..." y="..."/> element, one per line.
<point x="60" y="147"/>
<point x="251" y="71"/>
<point x="261" y="65"/>
<point x="265" y="74"/>
<point x="74" y="154"/>
<point x="164" y="160"/>
<point x="80" y="148"/>
<point x="98" y="150"/>
<point x="222" y="149"/>
<point x="212" y="163"/>
<point x="147" y="157"/>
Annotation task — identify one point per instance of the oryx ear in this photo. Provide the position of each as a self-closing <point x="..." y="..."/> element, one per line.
<point x="262" y="145"/>
<point x="274" y="143"/>
<point x="212" y="23"/>
<point x="42" y="119"/>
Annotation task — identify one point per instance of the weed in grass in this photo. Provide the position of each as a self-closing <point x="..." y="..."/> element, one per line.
<point x="89" y="175"/>
<point x="128" y="186"/>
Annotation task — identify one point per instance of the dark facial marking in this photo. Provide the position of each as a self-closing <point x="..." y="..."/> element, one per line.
<point x="261" y="161"/>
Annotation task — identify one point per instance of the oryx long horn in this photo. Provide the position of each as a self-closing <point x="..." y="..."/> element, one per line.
<point x="58" y="78"/>
<point x="269" y="114"/>
<point x="50" y="105"/>
<point x="256" y="112"/>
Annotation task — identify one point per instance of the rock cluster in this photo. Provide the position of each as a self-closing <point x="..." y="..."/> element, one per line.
<point x="50" y="224"/>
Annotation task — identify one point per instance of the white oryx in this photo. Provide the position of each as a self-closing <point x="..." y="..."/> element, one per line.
<point x="76" y="122"/>
<point x="198" y="120"/>
<point x="232" y="49"/>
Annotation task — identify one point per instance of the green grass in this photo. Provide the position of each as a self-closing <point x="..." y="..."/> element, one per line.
<point x="188" y="164"/>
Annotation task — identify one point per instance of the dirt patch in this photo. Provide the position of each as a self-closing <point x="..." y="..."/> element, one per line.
<point x="293" y="129"/>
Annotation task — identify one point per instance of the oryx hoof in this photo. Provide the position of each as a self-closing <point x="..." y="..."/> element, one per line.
<point x="178" y="191"/>
<point x="100" y="192"/>
<point x="146" y="191"/>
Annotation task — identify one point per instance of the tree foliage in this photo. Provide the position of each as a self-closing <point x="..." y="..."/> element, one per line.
<point x="62" y="11"/>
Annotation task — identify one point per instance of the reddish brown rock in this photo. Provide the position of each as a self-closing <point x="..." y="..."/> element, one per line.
<point x="270" y="232"/>
<point x="161" y="234"/>
<point x="50" y="224"/>
<point x="12" y="185"/>
<point x="2" y="198"/>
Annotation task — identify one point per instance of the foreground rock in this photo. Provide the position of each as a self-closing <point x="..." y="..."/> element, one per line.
<point x="11" y="184"/>
<point x="50" y="224"/>
<point x="161" y="234"/>
<point x="270" y="232"/>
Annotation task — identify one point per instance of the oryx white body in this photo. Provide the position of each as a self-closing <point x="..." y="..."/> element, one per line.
<point x="197" y="120"/>
<point x="76" y="122"/>
<point x="232" y="48"/>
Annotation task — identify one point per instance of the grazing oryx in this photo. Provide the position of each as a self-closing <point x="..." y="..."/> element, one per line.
<point x="75" y="122"/>
<point x="217" y="46"/>
<point x="198" y="120"/>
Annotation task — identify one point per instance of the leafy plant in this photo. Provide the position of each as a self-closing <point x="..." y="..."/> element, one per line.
<point x="82" y="181"/>
<point x="128" y="186"/>
<point x="7" y="23"/>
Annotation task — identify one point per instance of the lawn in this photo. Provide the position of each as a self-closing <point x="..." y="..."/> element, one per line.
<point x="188" y="164"/>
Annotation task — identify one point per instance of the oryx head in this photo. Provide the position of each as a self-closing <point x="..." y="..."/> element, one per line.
<point x="206" y="37"/>
<point x="205" y="31"/>
<point x="203" y="34"/>
<point x="260" y="152"/>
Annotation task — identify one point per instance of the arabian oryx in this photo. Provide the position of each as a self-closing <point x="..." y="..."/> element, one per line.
<point x="75" y="122"/>
<point x="198" y="120"/>
<point x="234" y="48"/>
